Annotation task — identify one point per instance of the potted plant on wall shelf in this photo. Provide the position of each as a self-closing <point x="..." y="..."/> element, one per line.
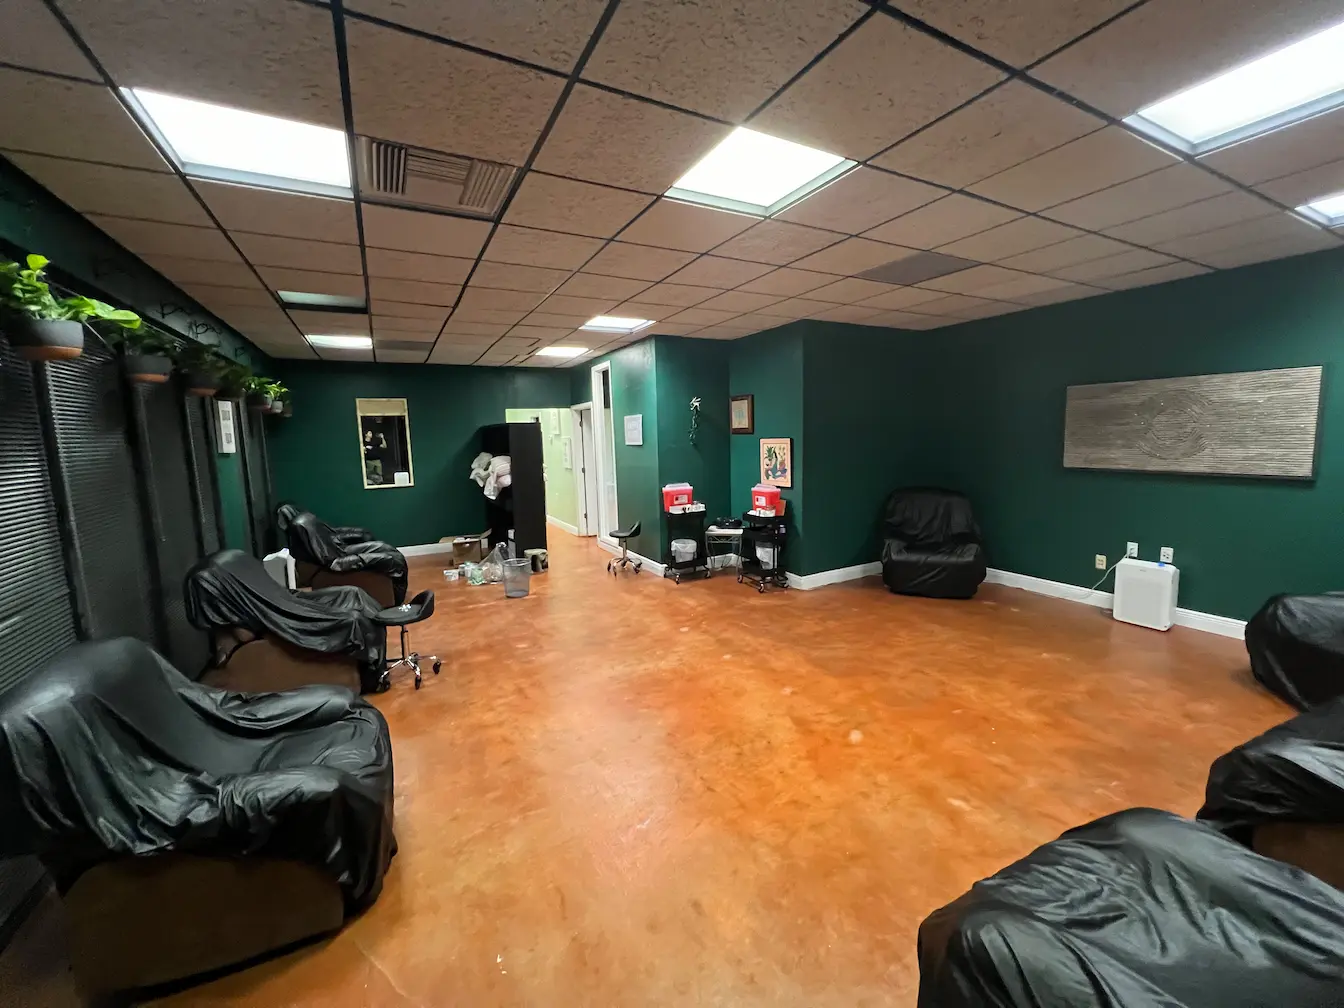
<point x="146" y="354"/>
<point x="41" y="326"/>
<point x="233" y="380"/>
<point x="279" y="397"/>
<point x="202" y="368"/>
<point x="259" y="397"/>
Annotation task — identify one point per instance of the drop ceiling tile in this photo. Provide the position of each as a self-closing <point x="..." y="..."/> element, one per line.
<point x="602" y="137"/>
<point x="1166" y="46"/>
<point x="296" y="253"/>
<point x="720" y="59"/>
<point x="275" y="58"/>
<point x="1156" y="275"/>
<point x="34" y="38"/>
<point x="851" y="290"/>
<point x="504" y="276"/>
<point x="414" y="231"/>
<point x="549" y="33"/>
<point x="346" y="354"/>
<point x="756" y="321"/>
<point x="958" y="305"/>
<point x="476" y="296"/>
<point x="557" y="321"/>
<point x="714" y="271"/>
<point x="1279" y="227"/>
<point x="846" y="313"/>
<point x="1082" y="249"/>
<point x="970" y="281"/>
<point x="1287" y="151"/>
<point x="409" y="328"/>
<point x="1177" y="186"/>
<point x="474" y="330"/>
<point x="787" y="282"/>
<point x="415" y="91"/>
<point x="703" y="316"/>
<point x="921" y="322"/>
<point x="549" y="249"/>
<point x="1306" y="186"/>
<point x="487" y="315"/>
<point x="777" y="242"/>
<point x="396" y="265"/>
<point x="795" y="308"/>
<point x="1018" y="33"/>
<point x="405" y="309"/>
<point x="902" y="297"/>
<point x="1115" y="265"/>
<point x="1093" y="162"/>
<point x="669" y="329"/>
<point x="603" y="287"/>
<point x="311" y="282"/>
<point x="449" y="354"/>
<point x="677" y="295"/>
<point x="671" y="224"/>
<point x="643" y="310"/>
<point x="1022" y="235"/>
<point x="382" y="335"/>
<point x="540" y="334"/>
<point x="331" y="323"/>
<point x="414" y="291"/>
<point x="853" y="255"/>
<point x="558" y="204"/>
<point x="1057" y="295"/>
<point x="944" y="221"/>
<point x="1206" y="215"/>
<point x="899" y="320"/>
<point x="1023" y="285"/>
<point x="386" y="356"/>
<point x="1278" y="248"/>
<point x="1011" y="124"/>
<point x="265" y="211"/>
<point x="209" y="272"/>
<point x="106" y="132"/>
<point x="860" y="200"/>
<point x="739" y="301"/>
<point x="154" y="238"/>
<point x="252" y="295"/>
<point x="563" y="304"/>
<point x="118" y="192"/>
<point x="637" y="262"/>
<point x="878" y="85"/>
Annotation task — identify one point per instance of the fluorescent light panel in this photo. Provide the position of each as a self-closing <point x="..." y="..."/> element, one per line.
<point x="561" y="351"/>
<point x="1293" y="83"/>
<point x="758" y="174"/>
<point x="332" y="302"/>
<point x="1328" y="210"/>
<point x="232" y="145"/>
<point x="332" y="342"/>
<point x="614" y="324"/>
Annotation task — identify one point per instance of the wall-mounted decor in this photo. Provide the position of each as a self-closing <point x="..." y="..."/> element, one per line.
<point x="567" y="452"/>
<point x="1250" y="423"/>
<point x="384" y="443"/>
<point x="550" y="421"/>
<point x="634" y="429"/>
<point x="777" y="461"/>
<point x="742" y="414"/>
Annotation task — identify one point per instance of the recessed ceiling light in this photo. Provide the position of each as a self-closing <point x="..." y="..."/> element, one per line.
<point x="333" y="342"/>
<point x="231" y="145"/>
<point x="320" y="302"/>
<point x="757" y="174"/>
<point x="1293" y="83"/>
<point x="561" y="351"/>
<point x="1328" y="210"/>
<point x="613" y="324"/>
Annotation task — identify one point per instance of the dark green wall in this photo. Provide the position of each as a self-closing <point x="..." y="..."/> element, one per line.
<point x="315" y="458"/>
<point x="687" y="368"/>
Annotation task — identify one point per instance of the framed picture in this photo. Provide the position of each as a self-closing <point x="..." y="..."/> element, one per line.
<point x="384" y="443"/>
<point x="777" y="461"/>
<point x="742" y="414"/>
<point x="567" y="452"/>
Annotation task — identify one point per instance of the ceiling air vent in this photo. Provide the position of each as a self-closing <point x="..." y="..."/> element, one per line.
<point x="417" y="177"/>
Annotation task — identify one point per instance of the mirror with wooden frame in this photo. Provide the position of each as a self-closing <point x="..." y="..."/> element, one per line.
<point x="384" y="443"/>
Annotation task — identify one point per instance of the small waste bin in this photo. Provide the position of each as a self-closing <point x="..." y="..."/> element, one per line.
<point x="516" y="577"/>
<point x="683" y="550"/>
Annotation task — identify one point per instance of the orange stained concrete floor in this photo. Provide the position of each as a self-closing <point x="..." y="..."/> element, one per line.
<point x="624" y="792"/>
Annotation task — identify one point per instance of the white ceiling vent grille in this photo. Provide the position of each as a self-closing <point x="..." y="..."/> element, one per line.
<point x="417" y="177"/>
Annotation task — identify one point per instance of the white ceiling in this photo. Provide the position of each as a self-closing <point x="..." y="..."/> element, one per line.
<point x="985" y="130"/>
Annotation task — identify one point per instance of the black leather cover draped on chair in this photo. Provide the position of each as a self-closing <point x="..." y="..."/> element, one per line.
<point x="312" y="541"/>
<point x="232" y="589"/>
<point x="346" y="535"/>
<point x="110" y="751"/>
<point x="932" y="544"/>
<point x="1296" y="645"/>
<point x="1139" y="909"/>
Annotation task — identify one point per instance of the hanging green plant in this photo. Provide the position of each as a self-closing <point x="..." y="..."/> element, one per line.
<point x="41" y="326"/>
<point x="201" y="367"/>
<point x="259" y="394"/>
<point x="279" y="396"/>
<point x="146" y="353"/>
<point x="233" y="378"/>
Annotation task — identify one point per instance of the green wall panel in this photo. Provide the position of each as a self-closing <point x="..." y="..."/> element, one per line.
<point x="687" y="368"/>
<point x="315" y="457"/>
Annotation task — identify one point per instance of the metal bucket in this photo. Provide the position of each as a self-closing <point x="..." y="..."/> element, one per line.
<point x="516" y="577"/>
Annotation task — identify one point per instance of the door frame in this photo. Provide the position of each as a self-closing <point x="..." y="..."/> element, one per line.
<point x="605" y="523"/>
<point x="586" y="466"/>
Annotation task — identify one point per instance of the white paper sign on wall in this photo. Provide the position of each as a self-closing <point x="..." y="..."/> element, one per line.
<point x="634" y="429"/>
<point x="228" y="441"/>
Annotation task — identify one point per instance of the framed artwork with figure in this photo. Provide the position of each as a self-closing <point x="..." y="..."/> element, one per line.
<point x="741" y="414"/>
<point x="777" y="461"/>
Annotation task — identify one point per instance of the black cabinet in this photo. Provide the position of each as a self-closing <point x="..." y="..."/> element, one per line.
<point x="521" y="506"/>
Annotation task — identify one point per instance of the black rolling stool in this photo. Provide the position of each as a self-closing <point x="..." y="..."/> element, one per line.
<point x="419" y="608"/>
<point x="623" y="536"/>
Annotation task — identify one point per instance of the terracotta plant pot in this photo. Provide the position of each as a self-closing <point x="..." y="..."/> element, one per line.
<point x="150" y="369"/>
<point x="201" y="383"/>
<point x="44" y="339"/>
<point x="258" y="401"/>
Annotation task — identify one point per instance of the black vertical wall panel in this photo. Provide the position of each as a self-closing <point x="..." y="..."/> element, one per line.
<point x="256" y="478"/>
<point x="203" y="478"/>
<point x="173" y="516"/>
<point x="89" y="408"/>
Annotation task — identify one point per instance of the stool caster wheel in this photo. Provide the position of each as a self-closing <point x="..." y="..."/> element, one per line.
<point x="383" y="686"/>
<point x="761" y="588"/>
<point x="417" y="683"/>
<point x="437" y="666"/>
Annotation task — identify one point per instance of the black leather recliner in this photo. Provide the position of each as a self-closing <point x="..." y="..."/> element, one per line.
<point x="932" y="545"/>
<point x="346" y="535"/>
<point x="322" y="561"/>
<point x="1296" y="647"/>
<point x="264" y="637"/>
<point x="189" y="828"/>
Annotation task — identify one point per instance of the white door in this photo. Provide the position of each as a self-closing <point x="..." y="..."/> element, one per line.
<point x="604" y="438"/>
<point x="585" y="461"/>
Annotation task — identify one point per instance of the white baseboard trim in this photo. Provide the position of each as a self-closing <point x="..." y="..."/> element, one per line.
<point x="426" y="549"/>
<point x="1224" y="626"/>
<point x="646" y="565"/>
<point x="566" y="526"/>
<point x="807" y="582"/>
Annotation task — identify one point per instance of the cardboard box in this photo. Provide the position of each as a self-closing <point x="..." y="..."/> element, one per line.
<point x="467" y="548"/>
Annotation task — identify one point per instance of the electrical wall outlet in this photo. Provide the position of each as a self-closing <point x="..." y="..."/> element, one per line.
<point x="1132" y="550"/>
<point x="1167" y="555"/>
<point x="1101" y="561"/>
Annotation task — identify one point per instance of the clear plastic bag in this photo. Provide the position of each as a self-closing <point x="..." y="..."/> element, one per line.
<point x="493" y="565"/>
<point x="473" y="573"/>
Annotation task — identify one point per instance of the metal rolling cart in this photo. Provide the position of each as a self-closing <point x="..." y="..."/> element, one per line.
<point x="686" y="521"/>
<point x="721" y="543"/>
<point x="768" y="533"/>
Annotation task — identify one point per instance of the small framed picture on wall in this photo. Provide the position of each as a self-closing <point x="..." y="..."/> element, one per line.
<point x="777" y="461"/>
<point x="742" y="414"/>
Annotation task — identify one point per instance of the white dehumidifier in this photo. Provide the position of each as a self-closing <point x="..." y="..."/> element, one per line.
<point x="1145" y="593"/>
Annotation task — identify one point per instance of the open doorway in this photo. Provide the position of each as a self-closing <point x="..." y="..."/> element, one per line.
<point x="585" y="465"/>
<point x="604" y="442"/>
